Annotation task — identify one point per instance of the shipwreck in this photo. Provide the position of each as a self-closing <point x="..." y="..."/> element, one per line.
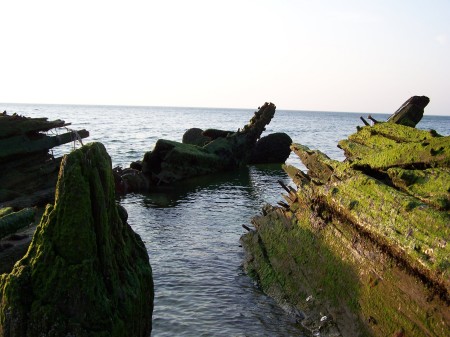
<point x="204" y="152"/>
<point x="360" y="247"/>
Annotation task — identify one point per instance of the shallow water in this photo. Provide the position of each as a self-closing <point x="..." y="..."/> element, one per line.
<point x="192" y="229"/>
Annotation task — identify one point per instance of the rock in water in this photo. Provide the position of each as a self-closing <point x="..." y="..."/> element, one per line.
<point x="273" y="148"/>
<point x="86" y="273"/>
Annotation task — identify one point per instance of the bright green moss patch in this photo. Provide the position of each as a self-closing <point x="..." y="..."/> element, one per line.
<point x="431" y="185"/>
<point x="395" y="132"/>
<point x="397" y="220"/>
<point x="386" y="145"/>
<point x="429" y="153"/>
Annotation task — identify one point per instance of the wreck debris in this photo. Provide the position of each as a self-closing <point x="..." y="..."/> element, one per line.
<point x="13" y="221"/>
<point x="270" y="149"/>
<point x="172" y="161"/>
<point x="366" y="237"/>
<point x="411" y="112"/>
<point x="86" y="273"/>
<point x="29" y="171"/>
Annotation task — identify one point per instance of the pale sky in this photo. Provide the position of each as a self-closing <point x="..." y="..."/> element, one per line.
<point x="332" y="55"/>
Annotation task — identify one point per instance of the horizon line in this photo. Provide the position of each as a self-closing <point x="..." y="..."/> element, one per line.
<point x="206" y="107"/>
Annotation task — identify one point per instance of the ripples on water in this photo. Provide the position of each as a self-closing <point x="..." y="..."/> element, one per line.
<point x="192" y="230"/>
<point x="192" y="234"/>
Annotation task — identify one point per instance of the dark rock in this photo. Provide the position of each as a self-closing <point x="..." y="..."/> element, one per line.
<point x="136" y="165"/>
<point x="273" y="148"/>
<point x="86" y="273"/>
<point x="214" y="133"/>
<point x="194" y="136"/>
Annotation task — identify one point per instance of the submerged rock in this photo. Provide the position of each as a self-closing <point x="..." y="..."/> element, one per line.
<point x="86" y="273"/>
<point x="366" y="238"/>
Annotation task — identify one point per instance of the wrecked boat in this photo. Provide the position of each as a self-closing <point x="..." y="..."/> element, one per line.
<point x="29" y="172"/>
<point x="205" y="152"/>
<point x="360" y="247"/>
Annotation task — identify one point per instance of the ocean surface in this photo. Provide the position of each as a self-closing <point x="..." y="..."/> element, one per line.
<point x="192" y="230"/>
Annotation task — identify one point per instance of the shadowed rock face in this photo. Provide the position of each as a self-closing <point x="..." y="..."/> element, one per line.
<point x="86" y="273"/>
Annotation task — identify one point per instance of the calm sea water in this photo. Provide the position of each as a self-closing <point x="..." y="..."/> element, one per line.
<point x="192" y="230"/>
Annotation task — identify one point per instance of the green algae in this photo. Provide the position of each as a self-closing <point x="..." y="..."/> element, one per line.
<point x="389" y="133"/>
<point x="429" y="153"/>
<point x="431" y="186"/>
<point x="407" y="226"/>
<point x="348" y="276"/>
<point x="380" y="216"/>
<point x="11" y="222"/>
<point x="285" y="260"/>
<point x="387" y="145"/>
<point x="172" y="161"/>
<point x="6" y="211"/>
<point x="86" y="273"/>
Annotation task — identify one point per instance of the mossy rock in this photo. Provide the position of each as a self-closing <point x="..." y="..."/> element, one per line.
<point x="86" y="273"/>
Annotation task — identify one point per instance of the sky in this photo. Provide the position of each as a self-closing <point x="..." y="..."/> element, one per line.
<point x="326" y="55"/>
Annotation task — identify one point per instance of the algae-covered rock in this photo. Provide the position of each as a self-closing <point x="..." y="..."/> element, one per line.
<point x="86" y="273"/>
<point x="363" y="241"/>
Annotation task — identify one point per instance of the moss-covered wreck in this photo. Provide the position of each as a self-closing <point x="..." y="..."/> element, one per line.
<point x="172" y="161"/>
<point x="86" y="273"/>
<point x="361" y="245"/>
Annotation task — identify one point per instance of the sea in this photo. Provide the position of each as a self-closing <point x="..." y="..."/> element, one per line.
<point x="192" y="229"/>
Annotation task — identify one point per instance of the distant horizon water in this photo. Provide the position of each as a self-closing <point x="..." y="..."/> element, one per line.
<point x="211" y="107"/>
